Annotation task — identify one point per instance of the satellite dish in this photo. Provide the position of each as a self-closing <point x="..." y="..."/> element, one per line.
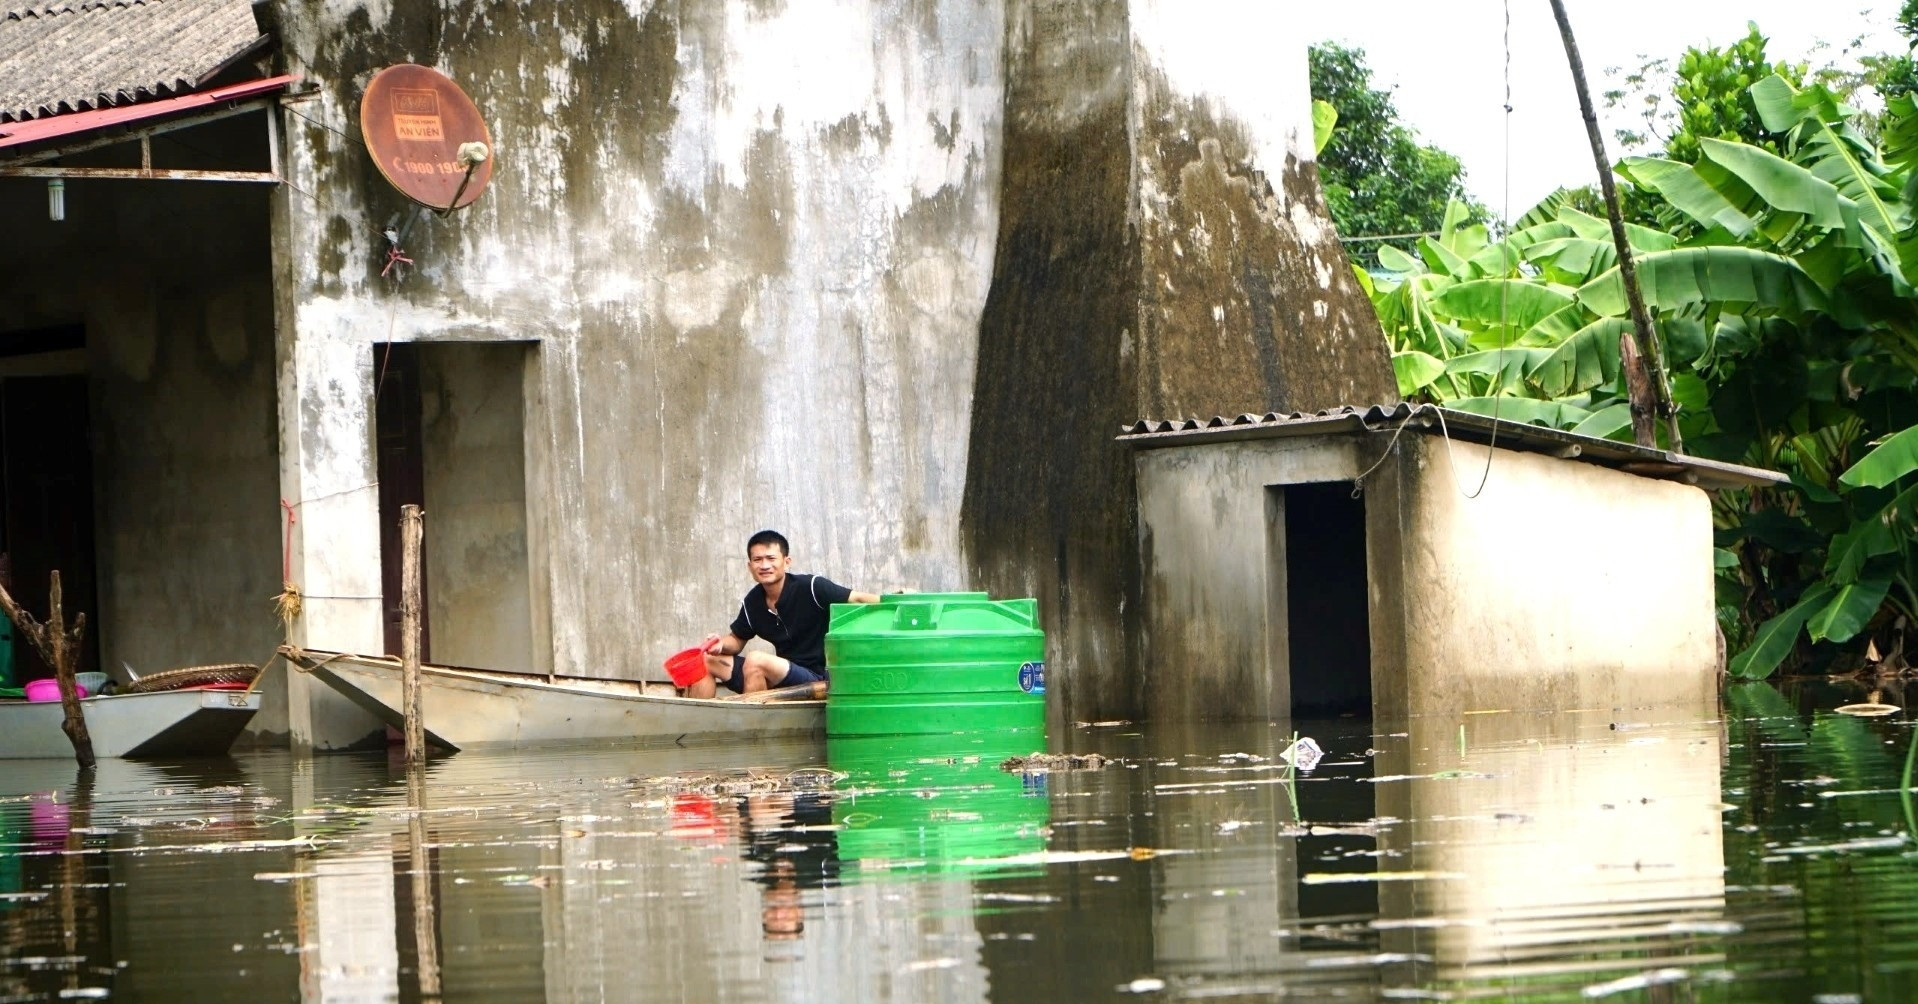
<point x="426" y="136"/>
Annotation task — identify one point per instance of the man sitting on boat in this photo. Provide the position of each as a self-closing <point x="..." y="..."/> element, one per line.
<point x="787" y="609"/>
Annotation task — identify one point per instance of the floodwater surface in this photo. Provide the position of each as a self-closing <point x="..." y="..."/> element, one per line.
<point x="1766" y="855"/>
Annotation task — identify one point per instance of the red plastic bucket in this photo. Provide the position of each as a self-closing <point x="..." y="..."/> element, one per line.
<point x="686" y="666"/>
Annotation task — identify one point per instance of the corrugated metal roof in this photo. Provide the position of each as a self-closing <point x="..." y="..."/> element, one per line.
<point x="1460" y="425"/>
<point x="60" y="126"/>
<point x="83" y="54"/>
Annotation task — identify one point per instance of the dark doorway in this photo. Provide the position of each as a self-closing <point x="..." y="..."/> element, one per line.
<point x="46" y="479"/>
<point x="402" y="473"/>
<point x="1328" y="632"/>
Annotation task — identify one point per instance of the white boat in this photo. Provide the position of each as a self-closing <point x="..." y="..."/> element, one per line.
<point x="467" y="708"/>
<point x="168" y="723"/>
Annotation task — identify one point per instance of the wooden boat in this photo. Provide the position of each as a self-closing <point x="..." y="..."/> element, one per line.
<point x="166" y="723"/>
<point x="468" y="708"/>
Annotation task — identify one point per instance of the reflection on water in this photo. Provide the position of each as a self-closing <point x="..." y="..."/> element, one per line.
<point x="1633" y="856"/>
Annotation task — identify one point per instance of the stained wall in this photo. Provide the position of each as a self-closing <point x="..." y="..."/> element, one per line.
<point x="1460" y="619"/>
<point x="1163" y="251"/>
<point x="748" y="242"/>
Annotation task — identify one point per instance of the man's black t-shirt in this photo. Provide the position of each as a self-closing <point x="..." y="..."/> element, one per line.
<point x="797" y="627"/>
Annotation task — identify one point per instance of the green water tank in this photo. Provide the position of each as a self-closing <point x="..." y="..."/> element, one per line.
<point x="917" y="805"/>
<point x="921" y="663"/>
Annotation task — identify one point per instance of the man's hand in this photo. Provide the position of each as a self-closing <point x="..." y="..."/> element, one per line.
<point x="711" y="644"/>
<point x="859" y="597"/>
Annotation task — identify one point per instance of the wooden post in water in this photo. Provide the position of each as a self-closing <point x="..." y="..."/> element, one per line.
<point x="58" y="646"/>
<point x="411" y="526"/>
<point x="426" y="942"/>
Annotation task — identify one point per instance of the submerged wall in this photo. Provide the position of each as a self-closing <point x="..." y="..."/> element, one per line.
<point x="1163" y="251"/>
<point x="828" y="267"/>
<point x="1483" y="627"/>
<point x="750" y="244"/>
<point x="1459" y="619"/>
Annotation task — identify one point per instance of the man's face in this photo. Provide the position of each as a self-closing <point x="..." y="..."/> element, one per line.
<point x="768" y="565"/>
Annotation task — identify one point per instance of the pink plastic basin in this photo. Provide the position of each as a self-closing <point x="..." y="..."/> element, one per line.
<point x="48" y="690"/>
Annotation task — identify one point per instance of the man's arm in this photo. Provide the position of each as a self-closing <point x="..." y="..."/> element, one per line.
<point x="859" y="597"/>
<point x="724" y="644"/>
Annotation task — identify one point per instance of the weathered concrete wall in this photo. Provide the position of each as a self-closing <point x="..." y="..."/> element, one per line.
<point x="1459" y="620"/>
<point x="1163" y="250"/>
<point x="478" y="601"/>
<point x="751" y="241"/>
<point x="171" y="283"/>
<point x="1212" y="572"/>
<point x="1633" y="626"/>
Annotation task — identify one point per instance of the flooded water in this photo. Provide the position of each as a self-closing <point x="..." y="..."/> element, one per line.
<point x="1767" y="855"/>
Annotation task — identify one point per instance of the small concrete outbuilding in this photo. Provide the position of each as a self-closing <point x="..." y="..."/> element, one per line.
<point x="1416" y="560"/>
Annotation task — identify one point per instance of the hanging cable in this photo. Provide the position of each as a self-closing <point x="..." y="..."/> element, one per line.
<point x="1505" y="281"/>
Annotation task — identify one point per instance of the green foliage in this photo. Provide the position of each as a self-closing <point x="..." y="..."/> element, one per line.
<point x="1378" y="177"/>
<point x="1709" y="98"/>
<point x="1781" y="282"/>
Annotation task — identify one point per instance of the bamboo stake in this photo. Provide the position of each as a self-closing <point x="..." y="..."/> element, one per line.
<point x="1648" y="391"/>
<point x="411" y="528"/>
<point x="57" y="645"/>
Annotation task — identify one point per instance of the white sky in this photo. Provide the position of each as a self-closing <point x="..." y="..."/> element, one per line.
<point x="1446" y="60"/>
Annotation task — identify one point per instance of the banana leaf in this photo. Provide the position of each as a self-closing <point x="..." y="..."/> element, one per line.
<point x="1779" y="184"/>
<point x="1834" y="151"/>
<point x="1687" y="192"/>
<point x="1866" y="539"/>
<point x="1683" y="277"/>
<point x="1597" y="228"/>
<point x="1415" y="370"/>
<point x="1579" y="258"/>
<point x="1394" y="260"/>
<point x="1607" y="422"/>
<point x="1775" y="638"/>
<point x="1443" y="260"/>
<point x="1529" y="411"/>
<point x="1890" y="460"/>
<point x="1588" y="359"/>
<point x="1516" y="303"/>
<point x="1506" y="367"/>
<point x="1851" y="608"/>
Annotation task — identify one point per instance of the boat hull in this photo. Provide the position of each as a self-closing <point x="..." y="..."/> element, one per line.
<point x="169" y="723"/>
<point x="466" y="709"/>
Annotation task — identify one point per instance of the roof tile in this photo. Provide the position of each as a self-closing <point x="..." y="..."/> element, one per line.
<point x="58" y="57"/>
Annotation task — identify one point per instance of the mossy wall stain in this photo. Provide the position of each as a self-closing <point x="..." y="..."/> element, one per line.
<point x="752" y="272"/>
<point x="1148" y="264"/>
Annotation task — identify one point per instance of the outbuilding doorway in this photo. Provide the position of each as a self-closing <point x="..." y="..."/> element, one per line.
<point x="1328" y="633"/>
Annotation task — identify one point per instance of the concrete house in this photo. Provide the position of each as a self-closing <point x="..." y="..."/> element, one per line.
<point x="1394" y="562"/>
<point x="881" y="273"/>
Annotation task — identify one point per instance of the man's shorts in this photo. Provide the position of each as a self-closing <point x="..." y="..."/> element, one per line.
<point x="795" y="675"/>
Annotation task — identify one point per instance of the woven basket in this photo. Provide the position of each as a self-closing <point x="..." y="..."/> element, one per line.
<point x="193" y="676"/>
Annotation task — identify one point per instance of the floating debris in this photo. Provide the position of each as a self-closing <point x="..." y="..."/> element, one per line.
<point x="1644" y="980"/>
<point x="1336" y="878"/>
<point x="1142" y="985"/>
<point x="1055" y="761"/>
<point x="1304" y="754"/>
